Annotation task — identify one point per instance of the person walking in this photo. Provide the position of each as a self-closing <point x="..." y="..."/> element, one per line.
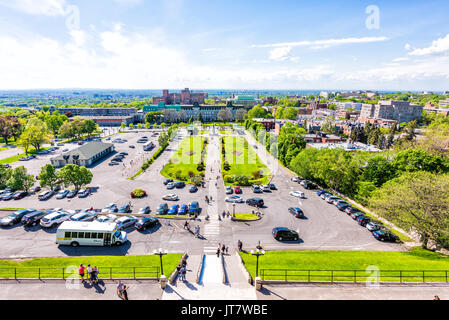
<point x="223" y="248"/>
<point x="89" y="273"/>
<point x="223" y="214"/>
<point x="239" y="245"/>
<point x="182" y="271"/>
<point x="120" y="288"/>
<point x="125" y="292"/>
<point x="95" y="274"/>
<point x="81" y="272"/>
<point x="227" y="249"/>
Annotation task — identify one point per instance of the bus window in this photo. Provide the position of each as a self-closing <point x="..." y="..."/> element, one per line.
<point x="94" y="235"/>
<point x="100" y="236"/>
<point x="74" y="234"/>
<point x="81" y="235"/>
<point x="87" y="235"/>
<point x="67" y="235"/>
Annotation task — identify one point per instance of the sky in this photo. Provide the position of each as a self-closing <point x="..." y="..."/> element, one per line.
<point x="224" y="44"/>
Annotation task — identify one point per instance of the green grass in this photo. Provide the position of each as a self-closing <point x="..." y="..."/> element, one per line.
<point x="1" y="149"/>
<point x="246" y="216"/>
<point x="225" y="131"/>
<point x="122" y="266"/>
<point x="184" y="162"/>
<point x="417" y="259"/>
<point x="17" y="157"/>
<point x="243" y="160"/>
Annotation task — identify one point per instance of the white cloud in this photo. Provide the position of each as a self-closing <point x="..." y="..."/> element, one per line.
<point x="438" y="46"/>
<point x="408" y="47"/>
<point x="129" y="3"/>
<point x="280" y="54"/>
<point x="401" y="59"/>
<point x="322" y="43"/>
<point x="37" y="7"/>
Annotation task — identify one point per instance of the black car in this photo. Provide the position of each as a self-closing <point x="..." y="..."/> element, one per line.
<point x="193" y="189"/>
<point x="281" y="234"/>
<point x="351" y="210"/>
<point x="162" y="209"/>
<point x="167" y="181"/>
<point x="297" y="212"/>
<point x="15" y="217"/>
<point x="255" y="202"/>
<point x="385" y="235"/>
<point x="272" y="186"/>
<point x="357" y="214"/>
<point x="72" y="194"/>
<point x="146" y="222"/>
<point x="20" y="195"/>
<point x="179" y="185"/>
<point x="363" y="220"/>
<point x="116" y="159"/>
<point x="33" y="219"/>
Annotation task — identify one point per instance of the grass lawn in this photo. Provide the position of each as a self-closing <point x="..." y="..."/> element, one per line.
<point x="346" y="262"/>
<point x="121" y="266"/>
<point x="243" y="160"/>
<point x="1" y="149"/>
<point x="246" y="216"/>
<point x="184" y="162"/>
<point x="16" y="157"/>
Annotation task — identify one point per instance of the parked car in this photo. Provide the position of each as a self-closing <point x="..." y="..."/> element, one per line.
<point x="7" y="196"/>
<point x="374" y="225"/>
<point x="54" y="218"/>
<point x="350" y="210"/>
<point x="194" y="207"/>
<point x="266" y="188"/>
<point x="297" y="212"/>
<point x="116" y="159"/>
<point x="162" y="209"/>
<point x="325" y="195"/>
<point x="342" y="205"/>
<point x="107" y="218"/>
<point x="35" y="189"/>
<point x="113" y="163"/>
<point x="234" y="199"/>
<point x="62" y="194"/>
<point x="45" y="195"/>
<point x="297" y="194"/>
<point x="256" y="188"/>
<point x="145" y="210"/>
<point x="255" y="202"/>
<point x="331" y="199"/>
<point x="72" y="194"/>
<point x="295" y="179"/>
<point x="125" y="222"/>
<point x="19" y="195"/>
<point x="385" y="235"/>
<point x="179" y="184"/>
<point x="84" y="216"/>
<point x="320" y="192"/>
<point x="363" y="220"/>
<point x="125" y="209"/>
<point x="146" y="222"/>
<point x="183" y="209"/>
<point x="174" y="209"/>
<point x="237" y="190"/>
<point x="123" y="153"/>
<point x="170" y="197"/>
<point x="33" y="218"/>
<point x="228" y="190"/>
<point x="132" y="146"/>
<point x="193" y="189"/>
<point x="83" y="193"/>
<point x="167" y="181"/>
<point x="170" y="185"/>
<point x="281" y="234"/>
<point x="272" y="186"/>
<point x="15" y="217"/>
<point x="356" y="214"/>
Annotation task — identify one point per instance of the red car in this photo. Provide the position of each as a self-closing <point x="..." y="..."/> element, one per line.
<point x="237" y="189"/>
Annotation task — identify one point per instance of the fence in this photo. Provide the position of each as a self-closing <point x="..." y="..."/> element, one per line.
<point x="22" y="273"/>
<point x="355" y="276"/>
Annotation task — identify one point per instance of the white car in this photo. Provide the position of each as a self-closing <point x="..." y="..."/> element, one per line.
<point x="171" y="197"/>
<point x="234" y="199"/>
<point x="228" y="190"/>
<point x="297" y="194"/>
<point x="145" y="210"/>
<point x="112" y="207"/>
<point x="54" y="218"/>
<point x="107" y="218"/>
<point x="125" y="222"/>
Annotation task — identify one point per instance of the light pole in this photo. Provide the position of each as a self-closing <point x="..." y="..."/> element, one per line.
<point x="233" y="210"/>
<point x="257" y="253"/>
<point x="160" y="253"/>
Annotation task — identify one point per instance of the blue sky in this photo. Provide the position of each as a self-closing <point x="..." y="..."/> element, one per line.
<point x="150" y="44"/>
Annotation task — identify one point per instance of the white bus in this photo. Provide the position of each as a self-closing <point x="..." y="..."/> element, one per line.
<point x="79" y="233"/>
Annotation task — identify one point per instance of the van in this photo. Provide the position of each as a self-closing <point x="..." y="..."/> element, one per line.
<point x="76" y="233"/>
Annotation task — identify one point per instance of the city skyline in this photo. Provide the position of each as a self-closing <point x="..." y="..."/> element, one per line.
<point x="287" y="45"/>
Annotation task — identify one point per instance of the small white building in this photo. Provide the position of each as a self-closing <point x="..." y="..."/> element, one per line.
<point x="84" y="155"/>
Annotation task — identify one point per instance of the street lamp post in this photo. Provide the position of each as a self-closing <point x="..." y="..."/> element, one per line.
<point x="257" y="253"/>
<point x="160" y="253"/>
<point x="233" y="210"/>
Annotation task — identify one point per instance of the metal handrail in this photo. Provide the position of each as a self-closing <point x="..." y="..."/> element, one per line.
<point x="18" y="273"/>
<point x="356" y="276"/>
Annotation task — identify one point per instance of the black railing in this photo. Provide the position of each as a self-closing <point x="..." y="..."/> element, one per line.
<point x="355" y="276"/>
<point x="63" y="273"/>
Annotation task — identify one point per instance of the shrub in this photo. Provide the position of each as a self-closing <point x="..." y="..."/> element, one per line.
<point x="228" y="179"/>
<point x="257" y="175"/>
<point x="138" y="193"/>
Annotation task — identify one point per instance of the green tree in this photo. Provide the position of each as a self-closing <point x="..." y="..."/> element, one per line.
<point x="72" y="174"/>
<point x="48" y="176"/>
<point x="200" y="117"/>
<point x="378" y="170"/>
<point x="419" y="201"/>
<point x="38" y="131"/>
<point x="20" y="179"/>
<point x="5" y="174"/>
<point x="191" y="120"/>
<point x="147" y="125"/>
<point x="290" y="113"/>
<point x="88" y="127"/>
<point x="257" y="112"/>
<point x="419" y="160"/>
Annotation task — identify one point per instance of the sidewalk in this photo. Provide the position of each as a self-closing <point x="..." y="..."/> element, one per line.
<point x="57" y="290"/>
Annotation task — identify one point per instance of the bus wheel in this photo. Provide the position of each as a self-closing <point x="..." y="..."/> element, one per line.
<point x="118" y="243"/>
<point x="74" y="244"/>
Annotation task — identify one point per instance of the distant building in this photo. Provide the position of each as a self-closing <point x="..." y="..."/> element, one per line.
<point x="247" y="101"/>
<point x="184" y="97"/>
<point x="350" y="147"/>
<point x="105" y="117"/>
<point x="85" y="155"/>
<point x="401" y="111"/>
<point x="444" y="103"/>
<point x="322" y="138"/>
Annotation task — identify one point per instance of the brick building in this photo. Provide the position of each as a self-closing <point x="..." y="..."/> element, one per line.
<point x="184" y="97"/>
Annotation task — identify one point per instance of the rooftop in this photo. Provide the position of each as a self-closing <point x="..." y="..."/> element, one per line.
<point x="86" y="151"/>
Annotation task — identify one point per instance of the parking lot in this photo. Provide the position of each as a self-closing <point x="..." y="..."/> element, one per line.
<point x="324" y="228"/>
